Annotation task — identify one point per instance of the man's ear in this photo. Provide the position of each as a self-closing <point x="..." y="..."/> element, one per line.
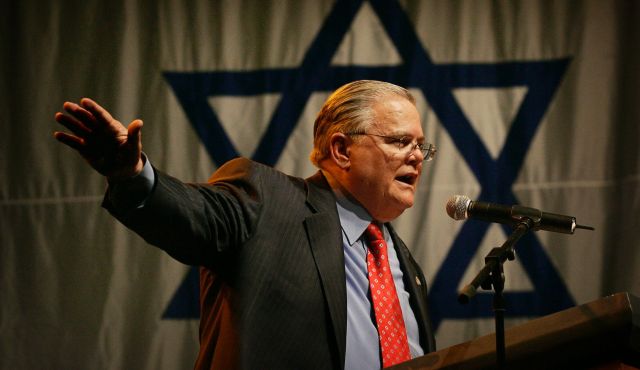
<point x="339" y="149"/>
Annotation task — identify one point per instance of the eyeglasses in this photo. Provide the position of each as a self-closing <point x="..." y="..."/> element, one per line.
<point x="405" y="144"/>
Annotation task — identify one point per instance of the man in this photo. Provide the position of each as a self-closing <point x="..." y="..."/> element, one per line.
<point x="285" y="262"/>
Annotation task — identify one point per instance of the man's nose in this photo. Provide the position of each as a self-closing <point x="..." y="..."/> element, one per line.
<point x="415" y="155"/>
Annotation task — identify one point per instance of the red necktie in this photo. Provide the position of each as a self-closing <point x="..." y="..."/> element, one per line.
<point x="386" y="306"/>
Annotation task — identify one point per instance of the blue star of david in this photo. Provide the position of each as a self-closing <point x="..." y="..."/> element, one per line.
<point x="436" y="81"/>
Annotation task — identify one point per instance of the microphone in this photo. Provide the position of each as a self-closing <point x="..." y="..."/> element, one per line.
<point x="460" y="207"/>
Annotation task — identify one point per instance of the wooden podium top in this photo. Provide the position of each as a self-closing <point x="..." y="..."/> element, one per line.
<point x="589" y="336"/>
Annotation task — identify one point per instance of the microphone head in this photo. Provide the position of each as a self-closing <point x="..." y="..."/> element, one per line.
<point x="457" y="207"/>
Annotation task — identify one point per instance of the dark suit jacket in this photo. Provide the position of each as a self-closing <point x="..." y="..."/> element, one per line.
<point x="273" y="288"/>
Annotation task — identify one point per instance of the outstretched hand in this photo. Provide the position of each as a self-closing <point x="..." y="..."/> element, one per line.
<point x="106" y="144"/>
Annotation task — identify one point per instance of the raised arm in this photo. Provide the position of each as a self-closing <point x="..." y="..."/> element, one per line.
<point x="106" y="144"/>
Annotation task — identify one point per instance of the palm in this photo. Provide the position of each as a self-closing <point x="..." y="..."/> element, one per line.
<point x="106" y="144"/>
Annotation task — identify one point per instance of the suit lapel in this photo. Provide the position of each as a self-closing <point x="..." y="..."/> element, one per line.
<point x="324" y="233"/>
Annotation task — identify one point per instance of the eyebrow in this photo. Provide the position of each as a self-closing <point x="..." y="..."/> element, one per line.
<point x="381" y="126"/>
<point x="401" y="134"/>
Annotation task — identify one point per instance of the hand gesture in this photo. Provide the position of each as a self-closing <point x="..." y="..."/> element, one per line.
<point x="108" y="146"/>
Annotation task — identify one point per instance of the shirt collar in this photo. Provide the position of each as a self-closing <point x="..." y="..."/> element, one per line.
<point x="354" y="219"/>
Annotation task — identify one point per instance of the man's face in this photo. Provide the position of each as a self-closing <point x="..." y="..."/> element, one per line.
<point x="384" y="172"/>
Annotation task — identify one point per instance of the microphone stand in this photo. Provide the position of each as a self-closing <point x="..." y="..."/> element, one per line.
<point x="492" y="275"/>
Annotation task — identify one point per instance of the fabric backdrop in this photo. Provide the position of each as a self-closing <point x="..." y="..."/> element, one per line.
<point x="529" y="102"/>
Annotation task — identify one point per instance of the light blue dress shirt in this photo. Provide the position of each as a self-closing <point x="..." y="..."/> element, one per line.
<point x="363" y="344"/>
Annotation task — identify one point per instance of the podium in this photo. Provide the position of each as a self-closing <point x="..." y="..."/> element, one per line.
<point x="603" y="334"/>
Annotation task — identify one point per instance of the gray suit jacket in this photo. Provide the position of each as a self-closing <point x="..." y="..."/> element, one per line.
<point x="272" y="279"/>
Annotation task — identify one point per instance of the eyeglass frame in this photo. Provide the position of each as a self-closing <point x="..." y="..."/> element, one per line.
<point x="428" y="150"/>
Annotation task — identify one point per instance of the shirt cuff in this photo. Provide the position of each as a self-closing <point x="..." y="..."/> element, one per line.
<point x="133" y="192"/>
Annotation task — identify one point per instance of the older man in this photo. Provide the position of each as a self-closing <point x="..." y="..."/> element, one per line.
<point x="295" y="273"/>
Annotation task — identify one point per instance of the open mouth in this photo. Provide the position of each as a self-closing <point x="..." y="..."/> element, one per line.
<point x="408" y="179"/>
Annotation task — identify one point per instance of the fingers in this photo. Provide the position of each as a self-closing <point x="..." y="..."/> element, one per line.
<point x="85" y="117"/>
<point x="81" y="114"/>
<point x="96" y="110"/>
<point x="72" y="124"/>
<point x="72" y="141"/>
<point x="89" y="119"/>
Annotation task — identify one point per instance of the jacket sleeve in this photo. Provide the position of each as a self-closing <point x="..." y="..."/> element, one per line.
<point x="199" y="224"/>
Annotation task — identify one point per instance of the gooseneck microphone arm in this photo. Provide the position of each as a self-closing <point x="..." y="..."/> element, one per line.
<point x="485" y="278"/>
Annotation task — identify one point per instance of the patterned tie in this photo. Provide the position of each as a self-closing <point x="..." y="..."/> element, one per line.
<point x="386" y="306"/>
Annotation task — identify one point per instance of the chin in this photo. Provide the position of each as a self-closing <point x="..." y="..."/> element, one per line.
<point x="405" y="202"/>
<point x="390" y="214"/>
